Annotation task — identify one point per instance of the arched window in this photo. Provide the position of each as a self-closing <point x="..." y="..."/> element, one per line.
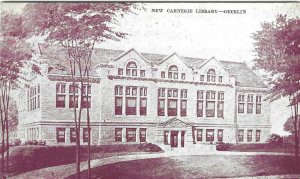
<point x="211" y="75"/>
<point x="131" y="69"/>
<point x="173" y="72"/>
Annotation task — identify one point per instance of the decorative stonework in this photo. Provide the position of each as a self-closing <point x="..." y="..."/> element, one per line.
<point x="174" y="123"/>
<point x="111" y="77"/>
<point x="69" y="79"/>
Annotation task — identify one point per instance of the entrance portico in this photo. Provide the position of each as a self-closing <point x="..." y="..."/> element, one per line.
<point x="175" y="133"/>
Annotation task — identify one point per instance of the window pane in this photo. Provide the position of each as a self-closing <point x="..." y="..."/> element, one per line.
<point x="199" y="108"/>
<point x="209" y="135"/>
<point x="131" y="134"/>
<point x="210" y="109"/>
<point x="249" y="108"/>
<point x="120" y="71"/>
<point x="143" y="102"/>
<point x="199" y="134"/>
<point x="175" y="93"/>
<point x="249" y="136"/>
<point x="162" y="74"/>
<point x="131" y="102"/>
<point x="241" y="108"/>
<point x="118" y="134"/>
<point x="220" y="135"/>
<point x="258" y="108"/>
<point x="241" y="135"/>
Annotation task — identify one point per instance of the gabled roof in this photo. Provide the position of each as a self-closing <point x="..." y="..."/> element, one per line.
<point x="57" y="58"/>
<point x="174" y="123"/>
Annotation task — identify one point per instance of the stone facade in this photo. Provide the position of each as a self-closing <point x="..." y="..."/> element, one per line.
<point x="117" y="85"/>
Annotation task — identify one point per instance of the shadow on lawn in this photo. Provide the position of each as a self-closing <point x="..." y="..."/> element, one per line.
<point x="28" y="158"/>
<point x="197" y="167"/>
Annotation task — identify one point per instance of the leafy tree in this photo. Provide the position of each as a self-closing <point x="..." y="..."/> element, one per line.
<point x="14" y="52"/>
<point x="77" y="28"/>
<point x="277" y="47"/>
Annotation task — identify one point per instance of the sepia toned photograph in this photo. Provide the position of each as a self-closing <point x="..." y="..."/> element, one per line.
<point x="146" y="90"/>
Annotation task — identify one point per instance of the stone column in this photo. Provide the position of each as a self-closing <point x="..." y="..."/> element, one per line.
<point x="169" y="138"/>
<point x="124" y="134"/>
<point x="195" y="136"/>
<point x="179" y="139"/>
<point x="137" y="135"/>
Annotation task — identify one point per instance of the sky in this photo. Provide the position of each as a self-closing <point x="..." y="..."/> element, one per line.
<point x="204" y="35"/>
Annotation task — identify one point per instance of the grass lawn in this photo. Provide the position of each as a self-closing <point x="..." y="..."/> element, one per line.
<point x="284" y="148"/>
<point x="28" y="158"/>
<point x="198" y="167"/>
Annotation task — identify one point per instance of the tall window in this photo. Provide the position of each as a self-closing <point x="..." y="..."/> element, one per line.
<point x="249" y="136"/>
<point x="257" y="136"/>
<point x="118" y="134"/>
<point x="199" y="134"/>
<point x="131" y="95"/>
<point x="241" y="104"/>
<point x="250" y="104"/>
<point x="33" y="98"/>
<point x="142" y="135"/>
<point x="172" y="102"/>
<point x="73" y="103"/>
<point x="258" y="104"/>
<point x="118" y="100"/>
<point x="211" y="75"/>
<point x="220" y="135"/>
<point x="60" y="95"/>
<point x="85" y="134"/>
<point x="72" y="135"/>
<point x="60" y="134"/>
<point x="173" y="72"/>
<point x="241" y="135"/>
<point x="131" y="134"/>
<point x="86" y="98"/>
<point x="183" y="102"/>
<point x="131" y="69"/>
<point x="161" y="102"/>
<point x="209" y="135"/>
<point x="200" y="98"/>
<point x="220" y="110"/>
<point x="143" y="101"/>
<point x="210" y="103"/>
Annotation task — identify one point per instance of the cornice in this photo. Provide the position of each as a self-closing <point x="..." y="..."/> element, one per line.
<point x="67" y="78"/>
<point x="155" y="80"/>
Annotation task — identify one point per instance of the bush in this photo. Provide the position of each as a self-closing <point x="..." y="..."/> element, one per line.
<point x="275" y="139"/>
<point x="17" y="142"/>
<point x="221" y="146"/>
<point x="149" y="147"/>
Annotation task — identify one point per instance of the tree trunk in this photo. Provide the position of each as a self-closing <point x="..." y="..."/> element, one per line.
<point x="296" y="133"/>
<point x="7" y="147"/>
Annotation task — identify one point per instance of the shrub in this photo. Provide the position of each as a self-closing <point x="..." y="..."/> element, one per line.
<point x="17" y="142"/>
<point x="149" y="147"/>
<point x="221" y="146"/>
<point x="275" y="139"/>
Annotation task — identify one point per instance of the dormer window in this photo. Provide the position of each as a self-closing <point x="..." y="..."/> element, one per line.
<point x="211" y="75"/>
<point x="131" y="69"/>
<point x="201" y="77"/>
<point x="220" y="79"/>
<point x="173" y="72"/>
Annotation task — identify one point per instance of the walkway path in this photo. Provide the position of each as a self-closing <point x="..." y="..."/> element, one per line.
<point x="63" y="171"/>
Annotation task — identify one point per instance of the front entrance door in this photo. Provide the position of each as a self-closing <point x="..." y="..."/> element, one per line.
<point x="174" y="138"/>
